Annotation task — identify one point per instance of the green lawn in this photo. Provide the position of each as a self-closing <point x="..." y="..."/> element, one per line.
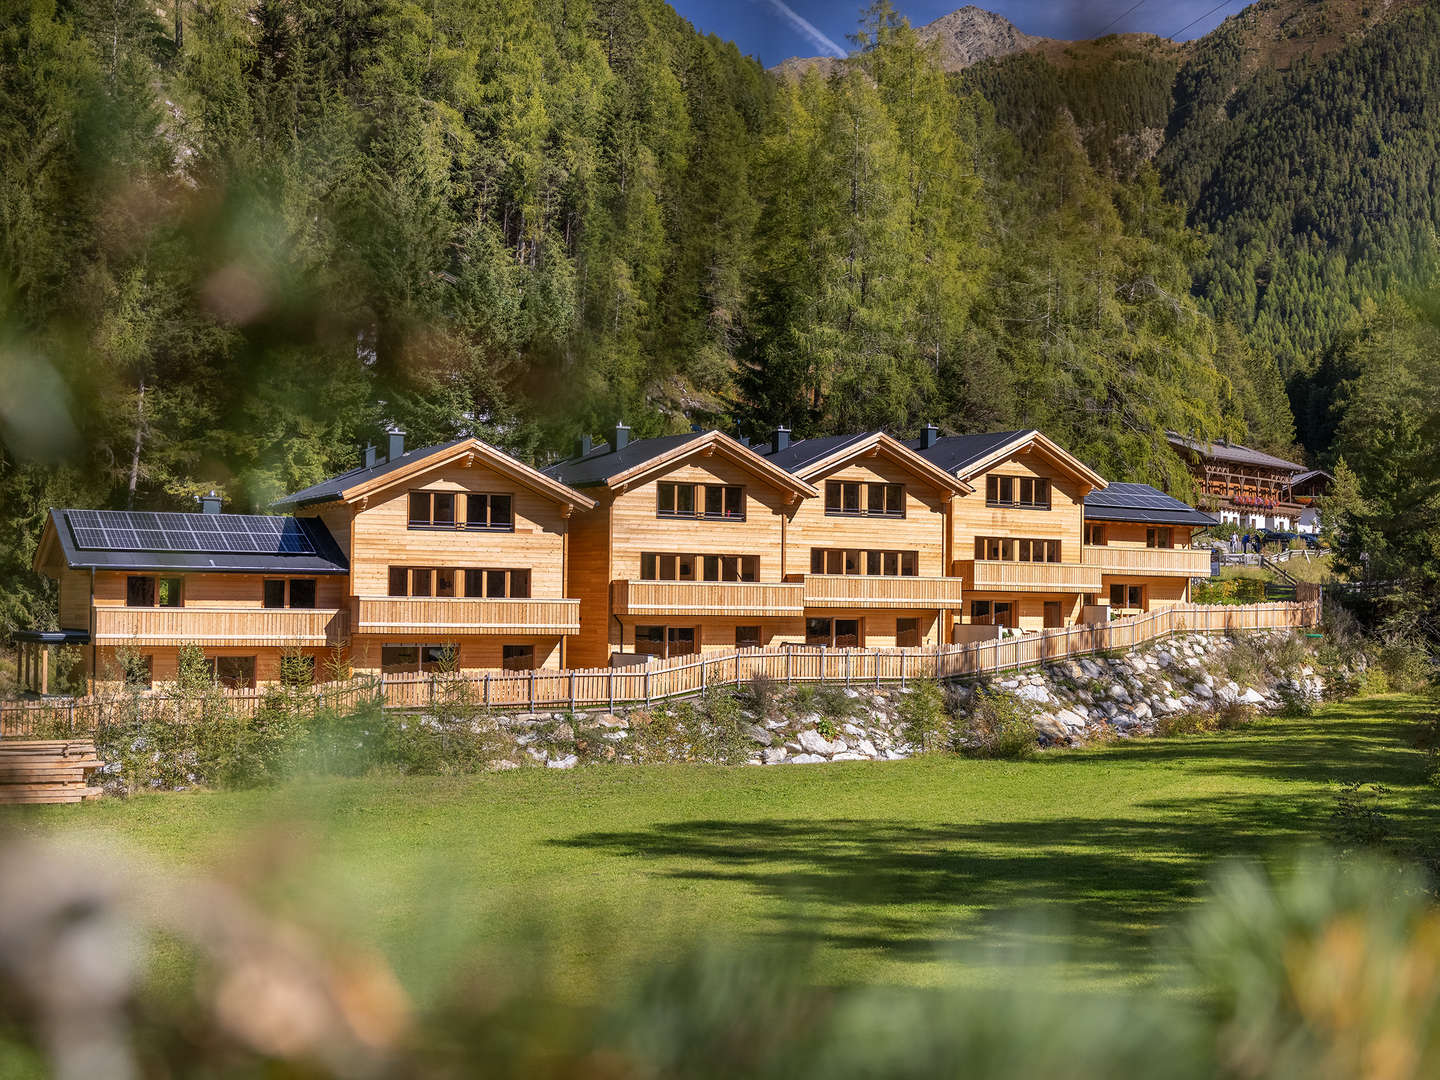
<point x="880" y="868"/>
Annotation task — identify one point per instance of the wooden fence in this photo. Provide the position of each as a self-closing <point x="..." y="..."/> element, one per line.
<point x="687" y="675"/>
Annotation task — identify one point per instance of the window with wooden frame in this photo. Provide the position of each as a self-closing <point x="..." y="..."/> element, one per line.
<point x="747" y="637"/>
<point x="497" y="583"/>
<point x="1127" y="596"/>
<point x="1011" y="549"/>
<point x="907" y="633"/>
<point x="1022" y="492"/>
<point x="1159" y="536"/>
<point x="665" y="566"/>
<point x="422" y="581"/>
<point x="517" y="657"/>
<point x="147" y="591"/>
<point x="1095" y="533"/>
<point x="301" y="592"/>
<point x="854" y="498"/>
<point x="432" y="510"/>
<point x="441" y="510"/>
<point x="710" y="502"/>
<point x="489" y="511"/>
<point x="842" y="561"/>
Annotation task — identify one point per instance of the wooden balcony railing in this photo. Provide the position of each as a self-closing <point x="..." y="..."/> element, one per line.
<point x="466" y="615"/>
<point x="984" y="575"/>
<point x="1182" y="562"/>
<point x="874" y="591"/>
<point x="220" y="626"/>
<point x="748" y="599"/>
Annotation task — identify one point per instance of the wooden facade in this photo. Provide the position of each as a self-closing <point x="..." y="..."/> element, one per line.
<point x="466" y="557"/>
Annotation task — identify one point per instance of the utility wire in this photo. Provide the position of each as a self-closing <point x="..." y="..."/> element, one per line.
<point x="1112" y="22"/>
<point x="1202" y="18"/>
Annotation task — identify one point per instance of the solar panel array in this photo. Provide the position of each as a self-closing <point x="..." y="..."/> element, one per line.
<point x="127" y="530"/>
<point x="1138" y="495"/>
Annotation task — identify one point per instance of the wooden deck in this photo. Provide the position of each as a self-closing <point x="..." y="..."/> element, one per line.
<point x="218" y="626"/>
<point x="1145" y="562"/>
<point x="871" y="591"/>
<point x="748" y="599"/>
<point x="466" y="615"/>
<point x="984" y="575"/>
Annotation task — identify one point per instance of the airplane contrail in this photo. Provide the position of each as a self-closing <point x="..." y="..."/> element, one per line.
<point x="808" y="29"/>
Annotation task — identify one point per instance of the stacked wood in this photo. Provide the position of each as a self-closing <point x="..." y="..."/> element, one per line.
<point x="47" y="771"/>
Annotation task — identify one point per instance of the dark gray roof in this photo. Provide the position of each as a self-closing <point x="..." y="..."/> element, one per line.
<point x="1141" y="503"/>
<point x="802" y="453"/>
<point x="601" y="463"/>
<point x="1310" y="474"/>
<point x="1233" y="452"/>
<point x="955" y="453"/>
<point x="329" y="490"/>
<point x="109" y="540"/>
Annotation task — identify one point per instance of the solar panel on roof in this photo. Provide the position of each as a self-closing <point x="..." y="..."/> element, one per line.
<point x="143" y="530"/>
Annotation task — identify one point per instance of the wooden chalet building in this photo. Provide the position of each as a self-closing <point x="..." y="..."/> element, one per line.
<point x="1251" y="489"/>
<point x="630" y="549"/>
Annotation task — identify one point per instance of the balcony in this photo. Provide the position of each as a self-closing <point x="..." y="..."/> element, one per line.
<point x="248" y="626"/>
<point x="984" y="575"/>
<point x="743" y="599"/>
<point x="875" y="591"/>
<point x="1149" y="562"/>
<point x="466" y="615"/>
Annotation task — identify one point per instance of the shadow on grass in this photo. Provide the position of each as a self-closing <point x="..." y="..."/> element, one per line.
<point x="908" y="889"/>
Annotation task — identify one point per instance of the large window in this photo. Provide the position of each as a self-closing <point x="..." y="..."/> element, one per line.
<point x="712" y="502"/>
<point x="1162" y="536"/>
<point x="851" y="498"/>
<point x="497" y="583"/>
<point x="444" y="581"/>
<point x="517" y="657"/>
<point x="441" y="510"/>
<point x="857" y="561"/>
<point x="146" y="591"/>
<point x="663" y="566"/>
<point x="1095" y="534"/>
<point x="402" y="659"/>
<point x="1010" y="549"/>
<point x="666" y="640"/>
<point x="1024" y="492"/>
<point x="301" y="592"/>
<point x="992" y="612"/>
<point x="233" y="672"/>
<point x="1127" y="596"/>
<point x="907" y="633"/>
<point x="837" y="633"/>
<point x="747" y="637"/>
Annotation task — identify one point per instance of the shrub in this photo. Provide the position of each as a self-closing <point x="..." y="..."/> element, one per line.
<point x="1289" y="653"/>
<point x="1188" y="723"/>
<point x="924" y="720"/>
<point x="1372" y="680"/>
<point x="760" y="695"/>
<point x="834" y="704"/>
<point x="1358" y="818"/>
<point x="1236" y="714"/>
<point x="721" y="738"/>
<point x="1406" y="662"/>
<point x="1246" y="659"/>
<point x="998" y="725"/>
<point x="654" y="737"/>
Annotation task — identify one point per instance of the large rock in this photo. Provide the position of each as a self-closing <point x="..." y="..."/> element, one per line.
<point x="812" y="742"/>
<point x="610" y="720"/>
<point x="569" y="761"/>
<point x="1037" y="694"/>
<point x="1252" y="697"/>
<point x="1072" y="721"/>
<point x="1119" y="693"/>
<point x="773" y="755"/>
<point x="758" y="734"/>
<point x="1202" y="691"/>
<point x="866" y="747"/>
<point x="805" y="759"/>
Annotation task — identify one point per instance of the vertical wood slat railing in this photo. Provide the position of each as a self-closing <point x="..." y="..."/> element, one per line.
<point x="683" y="676"/>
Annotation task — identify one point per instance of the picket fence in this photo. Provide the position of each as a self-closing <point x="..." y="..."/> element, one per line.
<point x="688" y="675"/>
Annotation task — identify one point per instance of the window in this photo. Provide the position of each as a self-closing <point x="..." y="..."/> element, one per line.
<point x="839" y="633"/>
<point x="992" y="613"/>
<point x="681" y="640"/>
<point x="1159" y="537"/>
<point x="650" y="640"/>
<point x="395" y="659"/>
<point x="662" y="566"/>
<point x="274" y="593"/>
<point x="517" y="657"/>
<point x="907" y="633"/>
<point x="874" y="563"/>
<point x="496" y="583"/>
<point x="747" y="637"/>
<point x="717" y="502"/>
<point x="235" y="672"/>
<point x="302" y="592"/>
<point x="1026" y="492"/>
<point x="1095" y="534"/>
<point x="1054" y="618"/>
<point x="489" y="512"/>
<point x="666" y="640"/>
<point x="444" y="583"/>
<point x="152" y="592"/>
<point x="1004" y="549"/>
<point x="1127" y="596"/>
<point x="845" y="498"/>
<point x="818" y="631"/>
<point x="847" y="633"/>
<point x="399" y="581"/>
<point x="422" y="582"/>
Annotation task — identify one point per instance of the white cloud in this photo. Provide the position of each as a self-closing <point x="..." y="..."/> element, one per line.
<point x="806" y="28"/>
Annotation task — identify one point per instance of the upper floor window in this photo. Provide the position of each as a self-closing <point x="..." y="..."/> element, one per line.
<point x="440" y="510"/>
<point x="1025" y="492"/>
<point x="719" y="502"/>
<point x="1161" y="536"/>
<point x="146" y="591"/>
<point x="854" y="498"/>
<point x="1095" y="534"/>
<point x="301" y="592"/>
<point x="1007" y="549"/>
<point x="662" y="566"/>
<point x="874" y="563"/>
<point x="445" y="582"/>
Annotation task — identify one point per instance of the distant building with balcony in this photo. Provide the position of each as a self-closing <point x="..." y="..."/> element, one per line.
<point x="1250" y="489"/>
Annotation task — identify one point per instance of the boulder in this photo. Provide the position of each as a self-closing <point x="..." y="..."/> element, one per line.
<point x="866" y="747"/>
<point x="773" y="755"/>
<point x="610" y="720"/>
<point x="1202" y="690"/>
<point x="1252" y="697"/>
<point x="812" y="742"/>
<point x="569" y="761"/>
<point x="1119" y="693"/>
<point x="849" y="755"/>
<point x="1037" y="694"/>
<point x="1072" y="721"/>
<point x="758" y="734"/>
<point x="805" y="759"/>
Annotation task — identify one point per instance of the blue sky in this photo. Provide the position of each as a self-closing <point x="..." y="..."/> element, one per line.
<point x="775" y="29"/>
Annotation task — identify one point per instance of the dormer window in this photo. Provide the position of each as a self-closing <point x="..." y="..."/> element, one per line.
<point x="1021" y="492"/>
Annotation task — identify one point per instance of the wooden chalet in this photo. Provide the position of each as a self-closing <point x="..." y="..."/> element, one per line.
<point x="1139" y="539"/>
<point x="1251" y="489"/>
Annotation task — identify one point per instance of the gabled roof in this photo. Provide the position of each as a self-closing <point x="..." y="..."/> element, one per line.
<point x="358" y="483"/>
<point x="969" y="455"/>
<point x="1232" y="452"/>
<point x="1141" y="503"/>
<point x="225" y="543"/>
<point x="1310" y="474"/>
<point x="810" y="458"/>
<point x="635" y="460"/>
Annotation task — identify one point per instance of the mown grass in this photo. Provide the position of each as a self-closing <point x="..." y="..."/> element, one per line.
<point x="880" y="869"/>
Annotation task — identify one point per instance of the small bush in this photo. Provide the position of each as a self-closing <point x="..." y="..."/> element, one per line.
<point x="998" y="725"/>
<point x="1372" y="680"/>
<point x="1359" y="819"/>
<point x="834" y="704"/>
<point x="825" y="728"/>
<point x="760" y="695"/>
<point x="1188" y="723"/>
<point x="924" y="720"/>
<point x="1406" y="663"/>
<point x="1289" y="654"/>
<point x="1236" y="714"/>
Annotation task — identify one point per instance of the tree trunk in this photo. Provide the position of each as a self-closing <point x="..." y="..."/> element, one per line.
<point x="179" y="28"/>
<point x="139" y="442"/>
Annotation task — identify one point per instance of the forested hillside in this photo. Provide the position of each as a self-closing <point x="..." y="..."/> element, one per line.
<point x="237" y="239"/>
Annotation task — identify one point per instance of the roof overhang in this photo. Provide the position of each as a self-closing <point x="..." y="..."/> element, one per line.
<point x="880" y="444"/>
<point x="1034" y="442"/>
<point x="473" y="450"/>
<point x="715" y="443"/>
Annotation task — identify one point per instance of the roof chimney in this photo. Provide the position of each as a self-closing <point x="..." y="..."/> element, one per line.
<point x="621" y="438"/>
<point x="210" y="504"/>
<point x="370" y="455"/>
<point x="779" y="440"/>
<point x="397" y="444"/>
<point x="928" y="434"/>
<point x="585" y="446"/>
